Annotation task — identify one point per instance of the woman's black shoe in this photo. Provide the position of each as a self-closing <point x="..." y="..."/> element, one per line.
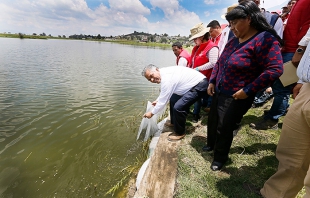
<point x="207" y="148"/>
<point x="215" y="166"/>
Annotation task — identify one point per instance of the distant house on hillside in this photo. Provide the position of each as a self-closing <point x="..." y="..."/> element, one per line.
<point x="144" y="38"/>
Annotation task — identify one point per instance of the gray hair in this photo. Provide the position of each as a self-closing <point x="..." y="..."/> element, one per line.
<point x="150" y="67"/>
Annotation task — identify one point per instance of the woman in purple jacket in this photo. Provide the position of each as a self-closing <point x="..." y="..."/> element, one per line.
<point x="250" y="62"/>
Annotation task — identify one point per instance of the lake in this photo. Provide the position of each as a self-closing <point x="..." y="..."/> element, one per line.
<point x="69" y="115"/>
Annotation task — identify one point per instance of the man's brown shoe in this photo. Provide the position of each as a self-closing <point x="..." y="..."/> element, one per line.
<point x="207" y="109"/>
<point x="172" y="137"/>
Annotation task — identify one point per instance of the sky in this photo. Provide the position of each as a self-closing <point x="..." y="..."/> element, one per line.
<point x="113" y="17"/>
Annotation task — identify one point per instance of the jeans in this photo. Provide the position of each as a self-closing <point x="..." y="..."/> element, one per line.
<point x="261" y="98"/>
<point x="174" y="98"/>
<point x="204" y="101"/>
<point x="281" y="95"/>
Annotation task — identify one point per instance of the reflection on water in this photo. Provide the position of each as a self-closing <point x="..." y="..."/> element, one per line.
<point x="70" y="111"/>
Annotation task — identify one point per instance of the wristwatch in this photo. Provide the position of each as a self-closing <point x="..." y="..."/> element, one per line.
<point x="300" y="50"/>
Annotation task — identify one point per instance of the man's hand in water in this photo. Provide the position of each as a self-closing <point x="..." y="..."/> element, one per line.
<point x="148" y="115"/>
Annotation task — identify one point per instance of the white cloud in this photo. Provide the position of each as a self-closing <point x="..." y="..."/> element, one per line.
<point x="207" y="13"/>
<point x="209" y="2"/>
<point x="75" y="17"/>
<point x="129" y="6"/>
<point x="177" y="19"/>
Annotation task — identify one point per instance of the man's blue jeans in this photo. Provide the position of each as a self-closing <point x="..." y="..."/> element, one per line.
<point x="204" y="101"/>
<point x="281" y="95"/>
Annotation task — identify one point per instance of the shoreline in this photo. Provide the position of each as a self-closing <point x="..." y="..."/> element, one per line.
<point x="124" y="42"/>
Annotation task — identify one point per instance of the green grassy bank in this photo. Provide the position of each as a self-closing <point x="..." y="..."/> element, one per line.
<point x="24" y="36"/>
<point x="252" y="161"/>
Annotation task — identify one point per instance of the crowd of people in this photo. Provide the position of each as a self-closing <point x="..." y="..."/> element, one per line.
<point x="232" y="67"/>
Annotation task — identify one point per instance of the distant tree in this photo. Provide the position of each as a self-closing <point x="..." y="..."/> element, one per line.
<point x="165" y="34"/>
<point x="50" y="35"/>
<point x="21" y="35"/>
<point x="98" y="36"/>
<point x="151" y="38"/>
<point x="179" y="35"/>
<point x="111" y="36"/>
<point x="80" y="36"/>
<point x="43" y="34"/>
<point x="163" y="40"/>
<point x="64" y="36"/>
<point x="34" y="34"/>
<point x="59" y="36"/>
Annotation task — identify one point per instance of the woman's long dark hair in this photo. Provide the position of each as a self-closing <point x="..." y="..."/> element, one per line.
<point x="258" y="21"/>
<point x="206" y="36"/>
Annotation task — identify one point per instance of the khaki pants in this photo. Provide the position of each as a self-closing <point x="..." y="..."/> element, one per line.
<point x="293" y="151"/>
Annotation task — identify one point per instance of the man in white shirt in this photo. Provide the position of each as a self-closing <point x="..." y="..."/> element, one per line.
<point x="182" y="86"/>
<point x="293" y="149"/>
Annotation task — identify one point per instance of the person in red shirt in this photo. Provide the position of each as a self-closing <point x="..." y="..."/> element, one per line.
<point x="183" y="57"/>
<point x="215" y="31"/>
<point x="296" y="27"/>
<point x="203" y="58"/>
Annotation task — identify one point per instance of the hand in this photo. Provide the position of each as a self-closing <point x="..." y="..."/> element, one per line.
<point x="296" y="89"/>
<point x="148" y="115"/>
<point x="239" y="95"/>
<point x="296" y="59"/>
<point x="269" y="90"/>
<point x="154" y="102"/>
<point x="211" y="90"/>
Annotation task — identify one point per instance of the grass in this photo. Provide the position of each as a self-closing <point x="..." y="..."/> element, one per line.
<point x="23" y="36"/>
<point x="252" y="161"/>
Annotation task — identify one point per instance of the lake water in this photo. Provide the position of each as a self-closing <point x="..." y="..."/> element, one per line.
<point x="69" y="115"/>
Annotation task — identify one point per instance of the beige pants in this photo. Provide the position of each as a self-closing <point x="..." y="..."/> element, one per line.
<point x="293" y="151"/>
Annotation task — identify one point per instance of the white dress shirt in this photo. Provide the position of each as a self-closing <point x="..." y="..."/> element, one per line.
<point x="303" y="69"/>
<point x="223" y="39"/>
<point x="279" y="27"/>
<point x="182" y="62"/>
<point x="175" y="80"/>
